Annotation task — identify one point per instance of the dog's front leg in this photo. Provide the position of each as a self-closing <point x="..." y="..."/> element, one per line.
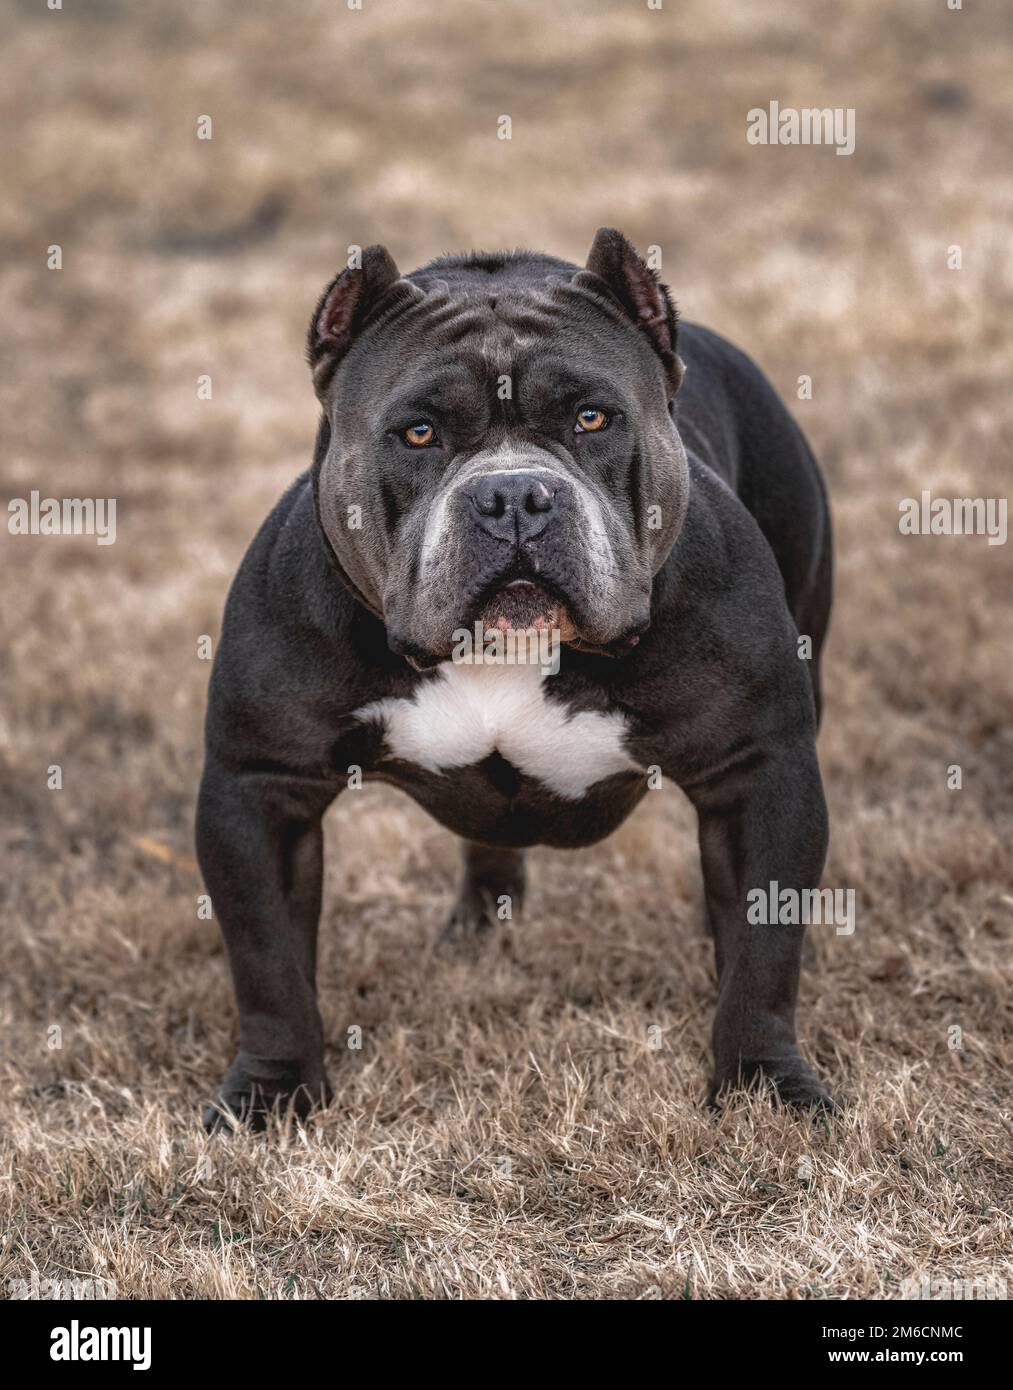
<point x="260" y="846"/>
<point x="763" y="823"/>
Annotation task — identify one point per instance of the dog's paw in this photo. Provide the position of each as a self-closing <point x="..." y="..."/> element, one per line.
<point x="471" y="925"/>
<point x="792" y="1082"/>
<point x="256" y="1089"/>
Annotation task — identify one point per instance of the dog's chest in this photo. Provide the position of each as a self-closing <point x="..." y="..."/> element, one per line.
<point x="466" y="713"/>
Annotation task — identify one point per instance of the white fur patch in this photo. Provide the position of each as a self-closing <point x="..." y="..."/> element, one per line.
<point x="470" y="711"/>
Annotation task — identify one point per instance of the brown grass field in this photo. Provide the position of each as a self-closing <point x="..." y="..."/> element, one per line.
<point x="506" y="1130"/>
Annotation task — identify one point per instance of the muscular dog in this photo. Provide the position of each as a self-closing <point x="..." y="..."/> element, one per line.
<point x="513" y="442"/>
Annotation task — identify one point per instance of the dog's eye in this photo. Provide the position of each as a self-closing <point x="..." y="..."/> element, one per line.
<point x="420" y="434"/>
<point x="590" y="421"/>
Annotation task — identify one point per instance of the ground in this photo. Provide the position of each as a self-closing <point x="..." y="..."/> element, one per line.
<point x="530" y="1126"/>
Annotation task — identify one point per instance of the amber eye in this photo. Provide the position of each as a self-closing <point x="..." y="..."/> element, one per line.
<point x="588" y="421"/>
<point x="420" y="434"/>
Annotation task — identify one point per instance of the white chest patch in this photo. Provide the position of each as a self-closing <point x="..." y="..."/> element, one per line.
<point x="467" y="712"/>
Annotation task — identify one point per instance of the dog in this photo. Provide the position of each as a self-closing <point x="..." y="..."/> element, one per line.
<point x="510" y="443"/>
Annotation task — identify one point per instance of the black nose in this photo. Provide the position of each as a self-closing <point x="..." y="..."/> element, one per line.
<point x="512" y="506"/>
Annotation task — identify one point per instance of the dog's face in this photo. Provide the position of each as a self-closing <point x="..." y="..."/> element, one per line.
<point x="499" y="444"/>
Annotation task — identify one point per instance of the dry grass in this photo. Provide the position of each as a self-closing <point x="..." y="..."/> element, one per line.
<point x="505" y="1130"/>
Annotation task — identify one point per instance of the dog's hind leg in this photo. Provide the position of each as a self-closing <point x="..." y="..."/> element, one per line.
<point x="811" y="612"/>
<point x="492" y="890"/>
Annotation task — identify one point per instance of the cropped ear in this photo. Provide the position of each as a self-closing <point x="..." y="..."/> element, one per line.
<point x="614" y="265"/>
<point x="346" y="306"/>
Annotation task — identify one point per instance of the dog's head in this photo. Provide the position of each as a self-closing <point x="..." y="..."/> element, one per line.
<point x="498" y="443"/>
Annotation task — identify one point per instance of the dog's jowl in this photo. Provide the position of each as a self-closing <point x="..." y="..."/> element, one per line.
<point x="510" y="444"/>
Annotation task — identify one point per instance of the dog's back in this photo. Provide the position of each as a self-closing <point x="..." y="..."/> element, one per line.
<point x="733" y="421"/>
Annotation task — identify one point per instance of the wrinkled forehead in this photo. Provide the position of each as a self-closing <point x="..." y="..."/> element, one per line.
<point x="449" y="349"/>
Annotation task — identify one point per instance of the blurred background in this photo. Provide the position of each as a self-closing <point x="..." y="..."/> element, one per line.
<point x="184" y="257"/>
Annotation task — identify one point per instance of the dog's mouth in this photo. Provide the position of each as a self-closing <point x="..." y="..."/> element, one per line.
<point x="521" y="604"/>
<point x="518" y="603"/>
